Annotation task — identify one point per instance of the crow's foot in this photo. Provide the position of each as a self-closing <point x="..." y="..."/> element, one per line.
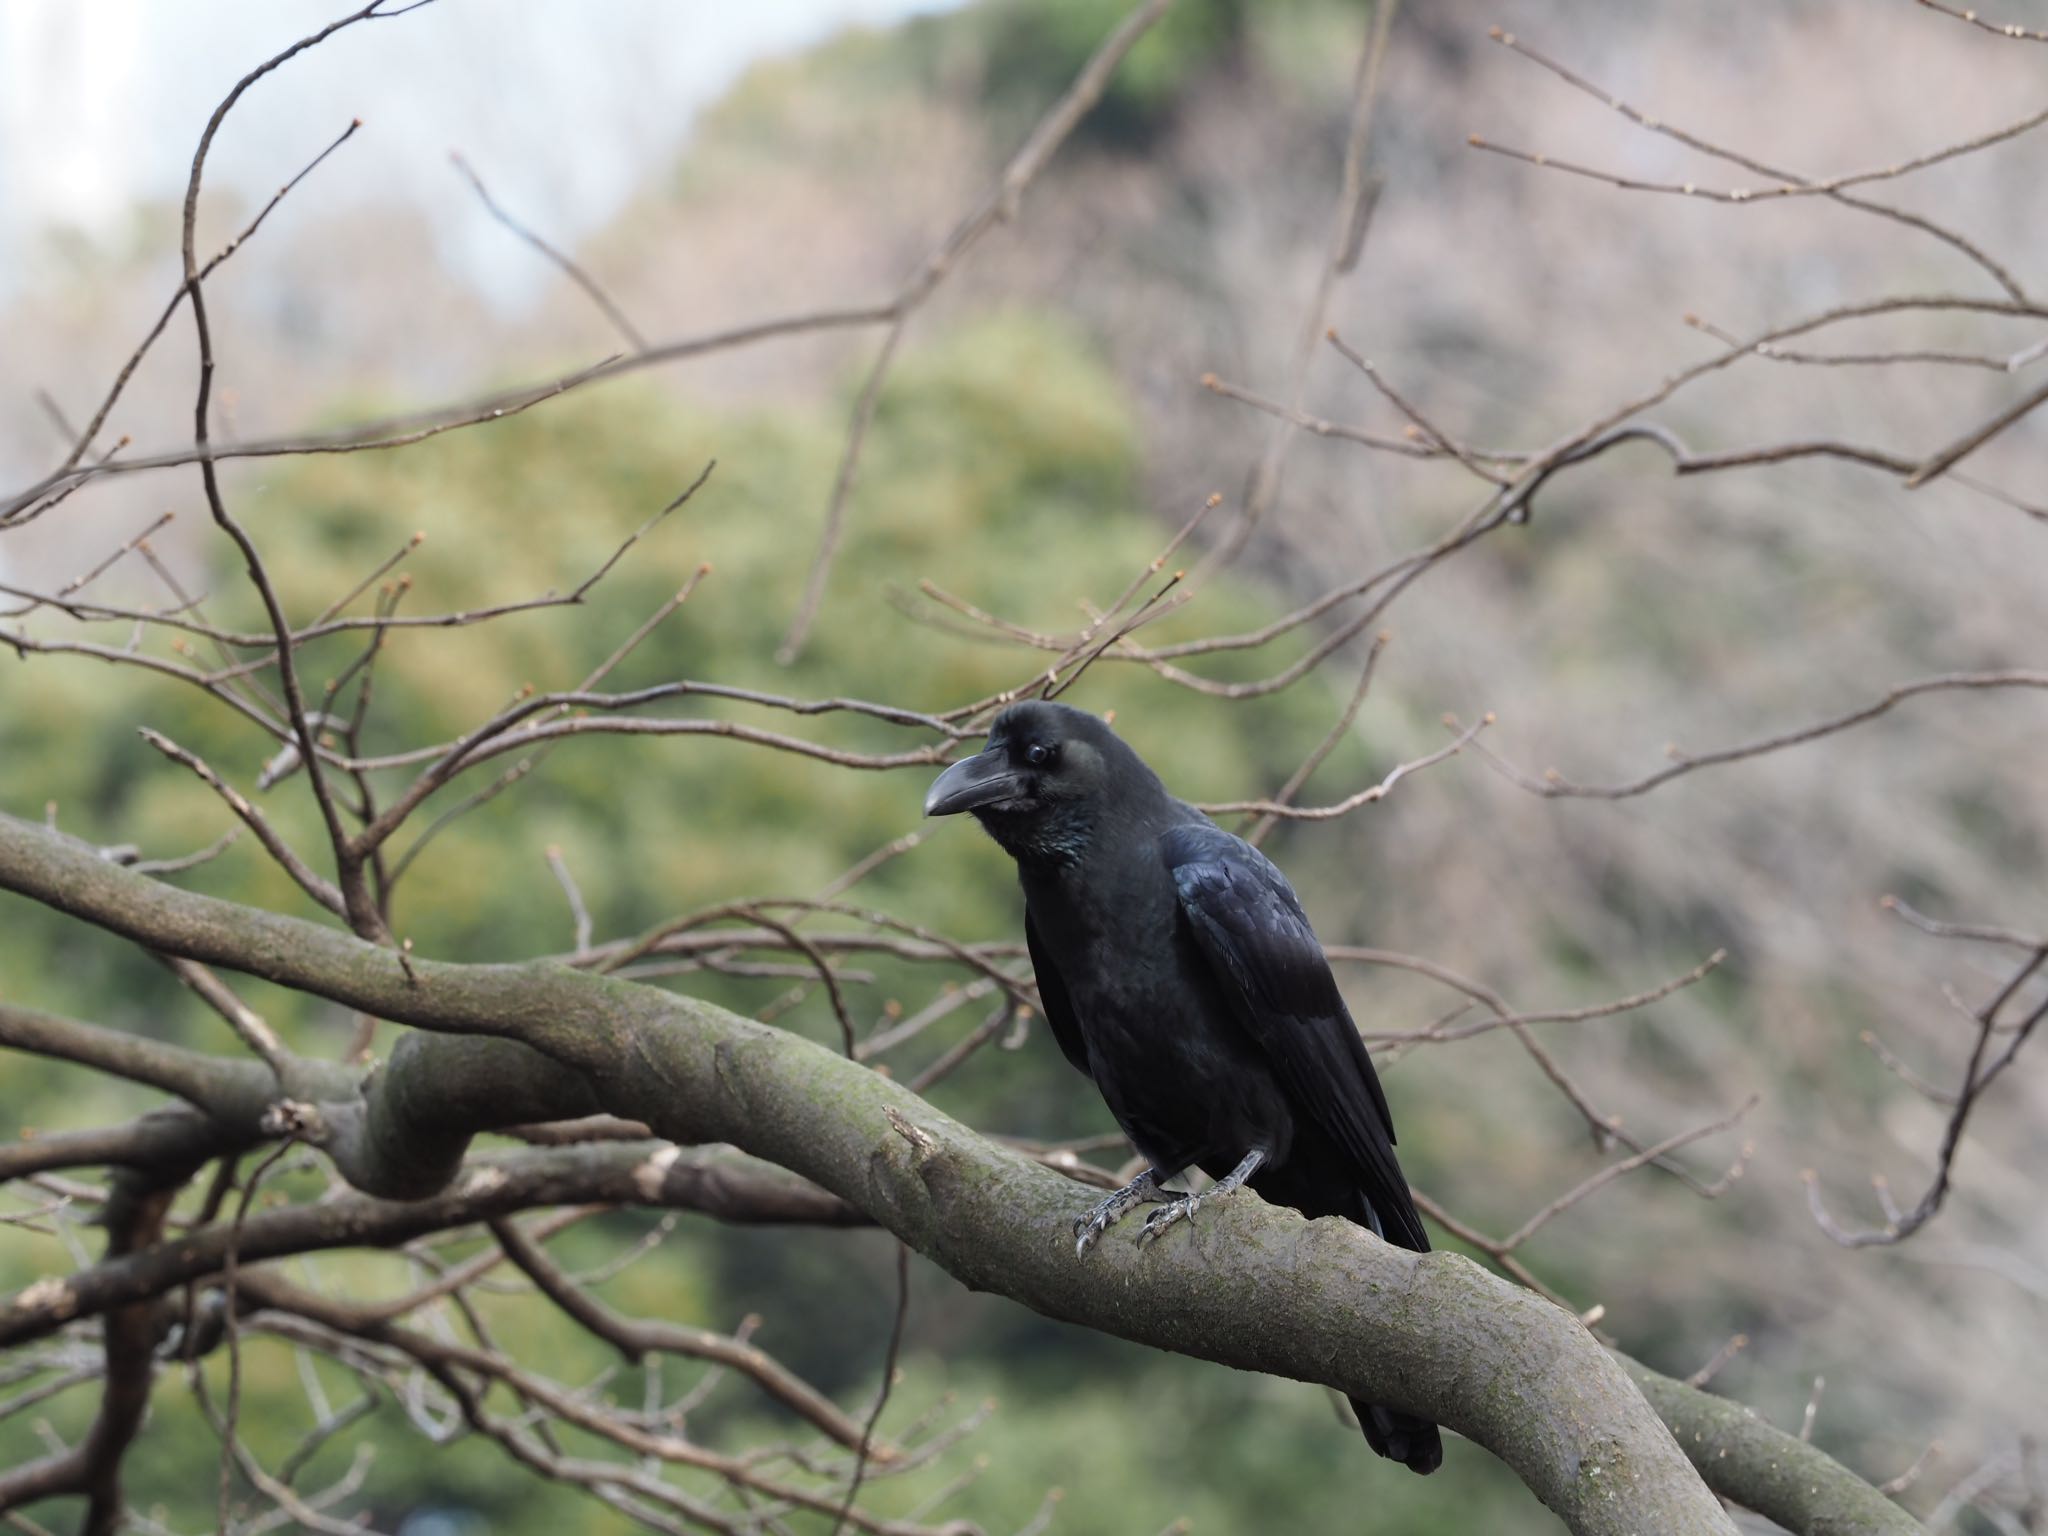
<point x="1184" y="1208"/>
<point x="1101" y="1217"/>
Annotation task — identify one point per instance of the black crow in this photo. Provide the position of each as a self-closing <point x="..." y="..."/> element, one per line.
<point x="1180" y="973"/>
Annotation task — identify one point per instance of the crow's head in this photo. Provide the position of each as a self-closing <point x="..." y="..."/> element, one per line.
<point x="1051" y="777"/>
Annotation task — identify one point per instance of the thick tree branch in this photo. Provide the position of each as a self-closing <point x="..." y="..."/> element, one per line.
<point x="1431" y="1334"/>
<point x="616" y="1173"/>
<point x="174" y="1136"/>
<point x="217" y="1085"/>
<point x="1778" y="1475"/>
<point x="399" y="1132"/>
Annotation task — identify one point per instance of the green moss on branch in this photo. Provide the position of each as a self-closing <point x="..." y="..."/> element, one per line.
<point x="1260" y="1289"/>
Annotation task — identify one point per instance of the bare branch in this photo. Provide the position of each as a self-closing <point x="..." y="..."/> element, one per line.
<point x="985" y="1214"/>
<point x="1796" y="186"/>
<point x="77" y="583"/>
<point x="636" y="1337"/>
<point x="1349" y="220"/>
<point x="1350" y="803"/>
<point x="1982" y="933"/>
<point x="314" y="885"/>
<point x="99" y="417"/>
<point x="92" y="1468"/>
<point x="417" y="427"/>
<point x="231" y="1417"/>
<point x="178" y="866"/>
<point x="1945" y="459"/>
<point x="568" y="267"/>
<point x="1449" y="1029"/>
<point x="1413" y="446"/>
<point x="1790" y="183"/>
<point x="247" y="1024"/>
<point x="356" y="902"/>
<point x="216" y="1085"/>
<point x="1255" y="834"/>
<point x="1432" y="433"/>
<point x="1998" y="28"/>
<point x="998" y="206"/>
<point x="1612" y="1171"/>
<point x="889" y="1358"/>
<point x="1706" y="1373"/>
<point x="577" y="909"/>
<point x="1977" y="1076"/>
<point x="1553" y="785"/>
<point x="997" y="1020"/>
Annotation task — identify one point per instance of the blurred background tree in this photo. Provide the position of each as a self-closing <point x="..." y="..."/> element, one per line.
<point x="1037" y="436"/>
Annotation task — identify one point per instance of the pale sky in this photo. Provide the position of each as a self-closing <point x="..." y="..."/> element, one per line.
<point x="564" y="106"/>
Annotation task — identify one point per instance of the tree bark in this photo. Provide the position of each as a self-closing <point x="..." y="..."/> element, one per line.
<point x="1256" y="1287"/>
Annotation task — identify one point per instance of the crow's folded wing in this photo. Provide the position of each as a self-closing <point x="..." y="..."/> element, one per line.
<point x="1059" y="1008"/>
<point x="1250" y="925"/>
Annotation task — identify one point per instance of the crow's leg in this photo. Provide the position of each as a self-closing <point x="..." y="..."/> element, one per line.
<point x="1100" y="1218"/>
<point x="1185" y="1207"/>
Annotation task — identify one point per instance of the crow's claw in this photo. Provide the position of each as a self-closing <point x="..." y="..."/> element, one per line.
<point x="1088" y="1229"/>
<point x="1184" y="1208"/>
<point x="1099" y="1218"/>
<point x="1173" y="1211"/>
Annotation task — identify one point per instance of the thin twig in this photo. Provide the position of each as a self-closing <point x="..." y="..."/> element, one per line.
<point x="1280" y="809"/>
<point x="577" y="909"/>
<point x="1349" y="215"/>
<point x="1977" y="1076"/>
<point x="178" y="866"/>
<point x="1984" y="24"/>
<point x="99" y="417"/>
<point x="1430" y="431"/>
<point x="232" y="1324"/>
<point x="316" y="886"/>
<point x="1706" y="1373"/>
<point x="999" y="205"/>
<point x="356" y="901"/>
<point x="867" y="1436"/>
<point x="569" y="268"/>
<point x="1553" y="785"/>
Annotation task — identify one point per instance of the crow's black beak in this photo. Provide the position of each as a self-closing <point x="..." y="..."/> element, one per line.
<point x="973" y="781"/>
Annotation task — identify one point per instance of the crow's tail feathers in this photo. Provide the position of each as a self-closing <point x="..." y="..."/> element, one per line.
<point x="1401" y="1437"/>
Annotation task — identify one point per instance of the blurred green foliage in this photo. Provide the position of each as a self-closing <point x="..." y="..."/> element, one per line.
<point x="1002" y="466"/>
<point x="1037" y="47"/>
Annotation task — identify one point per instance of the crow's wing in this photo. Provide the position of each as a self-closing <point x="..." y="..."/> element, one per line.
<point x="1059" y="1008"/>
<point x="1270" y="965"/>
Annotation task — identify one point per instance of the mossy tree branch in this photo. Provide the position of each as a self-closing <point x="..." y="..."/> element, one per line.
<point x="1322" y="1301"/>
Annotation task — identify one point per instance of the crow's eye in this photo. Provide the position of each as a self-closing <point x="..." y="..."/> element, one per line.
<point x="1038" y="754"/>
